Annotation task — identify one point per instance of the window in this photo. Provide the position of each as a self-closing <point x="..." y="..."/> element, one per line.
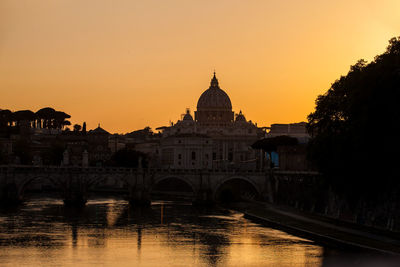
<point x="214" y="155"/>
<point x="179" y="156"/>
<point x="193" y="155"/>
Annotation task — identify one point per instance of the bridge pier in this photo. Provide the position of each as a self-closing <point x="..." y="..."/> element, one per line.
<point x="139" y="194"/>
<point x="139" y="197"/>
<point x="75" y="191"/>
<point x="204" y="195"/>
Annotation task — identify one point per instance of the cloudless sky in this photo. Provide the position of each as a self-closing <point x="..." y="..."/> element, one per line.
<point x="128" y="64"/>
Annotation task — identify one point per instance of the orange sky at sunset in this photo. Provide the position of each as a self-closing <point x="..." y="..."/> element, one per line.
<point x="128" y="64"/>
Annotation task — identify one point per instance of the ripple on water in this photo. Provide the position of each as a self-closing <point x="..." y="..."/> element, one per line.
<point x="107" y="232"/>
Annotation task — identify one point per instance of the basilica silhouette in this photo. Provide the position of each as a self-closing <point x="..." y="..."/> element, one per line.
<point x="215" y="138"/>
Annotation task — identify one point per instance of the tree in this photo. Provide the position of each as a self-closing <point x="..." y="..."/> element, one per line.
<point x="65" y="123"/>
<point x="23" y="115"/>
<point x="5" y="118"/>
<point x="45" y="116"/>
<point x="77" y="128"/>
<point x="59" y="119"/>
<point x="355" y="125"/>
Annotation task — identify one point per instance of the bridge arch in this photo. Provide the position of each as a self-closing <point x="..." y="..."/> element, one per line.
<point x="24" y="184"/>
<point x="237" y="185"/>
<point x="173" y="178"/>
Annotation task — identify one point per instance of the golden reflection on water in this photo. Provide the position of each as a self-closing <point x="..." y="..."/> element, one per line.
<point x="109" y="233"/>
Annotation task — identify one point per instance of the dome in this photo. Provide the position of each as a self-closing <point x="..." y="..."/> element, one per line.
<point x="98" y="130"/>
<point x="187" y="116"/>
<point x="240" y="117"/>
<point x="214" y="98"/>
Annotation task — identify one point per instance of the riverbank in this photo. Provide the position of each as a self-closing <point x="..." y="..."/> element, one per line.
<point x="321" y="229"/>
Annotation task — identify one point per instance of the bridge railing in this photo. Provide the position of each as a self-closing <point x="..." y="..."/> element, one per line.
<point x="30" y="168"/>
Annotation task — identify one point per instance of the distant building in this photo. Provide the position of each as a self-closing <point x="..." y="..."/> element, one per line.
<point x="98" y="146"/>
<point x="297" y="130"/>
<point x="291" y="158"/>
<point x="215" y="138"/>
<point x="116" y="142"/>
<point x="187" y="151"/>
<point x="94" y="143"/>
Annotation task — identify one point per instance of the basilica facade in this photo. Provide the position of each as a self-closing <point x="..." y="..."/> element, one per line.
<point x="216" y="138"/>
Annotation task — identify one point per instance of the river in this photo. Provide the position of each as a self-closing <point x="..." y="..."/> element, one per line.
<point x="108" y="232"/>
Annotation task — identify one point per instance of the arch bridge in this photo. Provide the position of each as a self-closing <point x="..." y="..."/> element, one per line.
<point x="206" y="186"/>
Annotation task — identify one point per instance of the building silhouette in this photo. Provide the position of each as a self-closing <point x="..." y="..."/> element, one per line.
<point x="215" y="138"/>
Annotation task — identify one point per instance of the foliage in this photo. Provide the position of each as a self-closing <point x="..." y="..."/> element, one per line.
<point x="5" y="117"/>
<point x="47" y="118"/>
<point x="77" y="128"/>
<point x="354" y="127"/>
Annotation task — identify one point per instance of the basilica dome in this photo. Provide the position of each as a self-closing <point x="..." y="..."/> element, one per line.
<point x="214" y="98"/>
<point x="214" y="107"/>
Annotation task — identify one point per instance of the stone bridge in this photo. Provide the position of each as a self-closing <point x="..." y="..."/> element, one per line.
<point x="74" y="183"/>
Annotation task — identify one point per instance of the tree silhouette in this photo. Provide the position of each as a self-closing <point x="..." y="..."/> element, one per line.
<point x="5" y="118"/>
<point x="77" y="128"/>
<point x="45" y="116"/>
<point x="23" y="115"/>
<point x="59" y="119"/>
<point x="355" y="125"/>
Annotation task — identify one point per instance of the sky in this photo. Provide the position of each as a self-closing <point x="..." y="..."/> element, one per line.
<point x="129" y="64"/>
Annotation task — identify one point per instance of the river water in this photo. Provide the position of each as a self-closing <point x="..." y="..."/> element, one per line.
<point x="107" y="232"/>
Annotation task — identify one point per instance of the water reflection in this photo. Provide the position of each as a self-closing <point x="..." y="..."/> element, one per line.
<point x="109" y="232"/>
